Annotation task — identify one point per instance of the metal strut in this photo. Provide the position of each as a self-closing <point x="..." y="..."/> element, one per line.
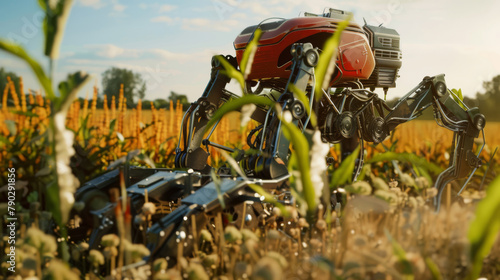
<point x="454" y="115"/>
<point x="189" y="152"/>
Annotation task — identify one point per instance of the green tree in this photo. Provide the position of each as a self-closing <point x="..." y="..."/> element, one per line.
<point x="134" y="86"/>
<point x="3" y="82"/>
<point x="182" y="99"/>
<point x="161" y="103"/>
<point x="489" y="99"/>
<point x="146" y="104"/>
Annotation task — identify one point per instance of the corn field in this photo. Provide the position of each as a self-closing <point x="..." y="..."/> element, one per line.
<point x="114" y="128"/>
<point x="156" y="131"/>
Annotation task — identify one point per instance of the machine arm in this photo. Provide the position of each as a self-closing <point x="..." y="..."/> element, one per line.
<point x="450" y="112"/>
<point x="189" y="152"/>
<point x="273" y="148"/>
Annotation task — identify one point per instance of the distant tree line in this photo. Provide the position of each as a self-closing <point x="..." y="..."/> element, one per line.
<point x="134" y="88"/>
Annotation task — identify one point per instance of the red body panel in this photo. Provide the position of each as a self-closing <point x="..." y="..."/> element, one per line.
<point x="273" y="60"/>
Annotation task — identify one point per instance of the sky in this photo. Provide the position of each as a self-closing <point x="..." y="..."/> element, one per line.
<point x="170" y="43"/>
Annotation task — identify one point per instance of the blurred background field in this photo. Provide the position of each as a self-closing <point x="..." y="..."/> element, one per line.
<point x="116" y="119"/>
<point x="104" y="134"/>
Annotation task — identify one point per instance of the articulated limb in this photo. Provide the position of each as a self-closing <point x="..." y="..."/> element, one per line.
<point x="273" y="146"/>
<point x="194" y="121"/>
<point x="359" y="114"/>
<point x="466" y="124"/>
<point x="350" y="118"/>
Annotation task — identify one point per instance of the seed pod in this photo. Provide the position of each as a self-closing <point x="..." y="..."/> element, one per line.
<point x="422" y="182"/>
<point x="148" y="208"/>
<point x="273" y="234"/>
<point x="321" y="224"/>
<point x="232" y="234"/>
<point x="205" y="235"/>
<point x="110" y="240"/>
<point x="360" y="187"/>
<point x="379" y="184"/>
<point x="303" y="223"/>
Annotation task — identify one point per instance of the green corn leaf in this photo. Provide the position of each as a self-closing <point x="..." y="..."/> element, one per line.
<point x="218" y="183"/>
<point x="489" y="164"/>
<point x="4" y="141"/>
<point x="343" y="174"/>
<point x="234" y="165"/>
<point x="32" y="197"/>
<point x="27" y="114"/>
<point x="112" y="125"/>
<point x="436" y="274"/>
<point x="301" y="96"/>
<point x="43" y="172"/>
<point x="53" y="201"/>
<point x="11" y="126"/>
<point x="407" y="157"/>
<point x="83" y="126"/>
<point x="400" y="253"/>
<point x="424" y="173"/>
<point x="69" y="89"/>
<point x="56" y="15"/>
<point x="249" y="53"/>
<point x="365" y="170"/>
<point x="326" y="63"/>
<point x="42" y="4"/>
<point x="484" y="228"/>
<point x="146" y="159"/>
<point x="301" y="148"/>
<point x="231" y="72"/>
<point x="293" y="165"/>
<point x="236" y="104"/>
<point x="458" y="97"/>
<point x="19" y="51"/>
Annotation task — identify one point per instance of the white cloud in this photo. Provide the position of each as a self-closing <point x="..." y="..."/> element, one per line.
<point x="197" y="22"/>
<point x="166" y="8"/>
<point x="119" y="7"/>
<point x="204" y="24"/>
<point x="96" y="4"/>
<point x="112" y="51"/>
<point x="146" y="66"/>
<point x="116" y="53"/>
<point x="168" y="54"/>
<point x="239" y="16"/>
<point x="158" y="7"/>
<point x="162" y="19"/>
<point x="200" y="56"/>
<point x="257" y="7"/>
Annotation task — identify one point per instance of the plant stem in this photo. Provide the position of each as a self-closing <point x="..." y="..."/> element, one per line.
<point x="52" y="67"/>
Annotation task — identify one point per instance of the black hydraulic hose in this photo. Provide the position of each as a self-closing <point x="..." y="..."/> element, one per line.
<point x="250" y="135"/>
